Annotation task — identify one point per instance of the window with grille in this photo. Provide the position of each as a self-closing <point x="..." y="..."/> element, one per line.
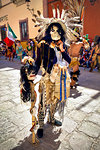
<point x="3" y="32"/>
<point x="24" y="30"/>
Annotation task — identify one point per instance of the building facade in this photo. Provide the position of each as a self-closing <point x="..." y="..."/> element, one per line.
<point x="19" y="18"/>
<point x="15" y="13"/>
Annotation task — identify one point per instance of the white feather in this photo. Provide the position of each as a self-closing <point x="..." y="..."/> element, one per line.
<point x="58" y="12"/>
<point x="54" y="11"/>
<point x="62" y="14"/>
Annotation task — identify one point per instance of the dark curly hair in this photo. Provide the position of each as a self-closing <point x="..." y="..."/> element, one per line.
<point x="47" y="37"/>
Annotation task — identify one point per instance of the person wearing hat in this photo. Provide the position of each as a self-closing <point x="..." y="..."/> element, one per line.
<point x="54" y="86"/>
<point x="52" y="54"/>
<point x="54" y="37"/>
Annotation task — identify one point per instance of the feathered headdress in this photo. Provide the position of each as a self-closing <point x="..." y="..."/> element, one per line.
<point x="75" y="7"/>
<point x="66" y="20"/>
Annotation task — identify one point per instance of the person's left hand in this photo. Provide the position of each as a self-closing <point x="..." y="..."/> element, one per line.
<point x="52" y="45"/>
<point x="60" y="45"/>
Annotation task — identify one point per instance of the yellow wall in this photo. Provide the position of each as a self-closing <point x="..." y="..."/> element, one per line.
<point x="15" y="14"/>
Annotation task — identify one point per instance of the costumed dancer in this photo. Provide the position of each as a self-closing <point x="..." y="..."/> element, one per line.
<point x="76" y="10"/>
<point x="74" y="52"/>
<point x="52" y="57"/>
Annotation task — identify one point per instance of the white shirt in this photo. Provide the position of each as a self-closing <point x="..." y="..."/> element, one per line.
<point x="60" y="60"/>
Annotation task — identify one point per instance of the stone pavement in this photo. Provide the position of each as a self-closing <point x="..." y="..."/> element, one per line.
<point x="81" y="125"/>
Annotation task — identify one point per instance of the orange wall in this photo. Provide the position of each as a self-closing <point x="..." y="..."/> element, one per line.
<point x="92" y="19"/>
<point x="45" y="8"/>
<point x="52" y="2"/>
<point x="91" y="25"/>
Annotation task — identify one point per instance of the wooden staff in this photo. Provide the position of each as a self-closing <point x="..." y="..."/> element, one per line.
<point x="33" y="100"/>
<point x="34" y="121"/>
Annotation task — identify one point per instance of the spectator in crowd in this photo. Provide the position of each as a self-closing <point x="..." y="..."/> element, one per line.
<point x="19" y="50"/>
<point x="14" y="52"/>
<point x="30" y="50"/>
<point x="84" y="59"/>
<point x="3" y="48"/>
<point x="10" y="53"/>
<point x="33" y="46"/>
<point x="24" y="53"/>
<point x="6" y="52"/>
<point x="0" y="46"/>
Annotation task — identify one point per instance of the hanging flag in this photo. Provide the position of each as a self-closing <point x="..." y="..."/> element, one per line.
<point x="11" y="37"/>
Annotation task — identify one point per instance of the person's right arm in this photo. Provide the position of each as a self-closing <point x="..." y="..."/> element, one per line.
<point x="38" y="61"/>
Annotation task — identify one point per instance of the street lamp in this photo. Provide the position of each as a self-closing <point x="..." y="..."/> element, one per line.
<point x="92" y="2"/>
<point x="28" y="6"/>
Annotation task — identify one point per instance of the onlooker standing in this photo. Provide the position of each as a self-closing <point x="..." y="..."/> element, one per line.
<point x="14" y="52"/>
<point x="10" y="49"/>
<point x="30" y="50"/>
<point x="0" y="46"/>
<point x="3" y="48"/>
<point x="19" y="50"/>
<point x="33" y="47"/>
<point x="6" y="52"/>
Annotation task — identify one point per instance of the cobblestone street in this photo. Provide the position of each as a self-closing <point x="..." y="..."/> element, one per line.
<point x="81" y="125"/>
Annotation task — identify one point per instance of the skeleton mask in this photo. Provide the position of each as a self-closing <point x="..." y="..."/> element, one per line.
<point x="55" y="33"/>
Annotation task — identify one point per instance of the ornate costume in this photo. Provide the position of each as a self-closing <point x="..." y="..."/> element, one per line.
<point x="76" y="8"/>
<point x="74" y="52"/>
<point x="52" y="56"/>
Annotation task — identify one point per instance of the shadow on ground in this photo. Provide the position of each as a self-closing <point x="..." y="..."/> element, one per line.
<point x="11" y="65"/>
<point x="90" y="80"/>
<point x="48" y="142"/>
<point x="15" y="64"/>
<point x="95" y="97"/>
<point x="74" y="93"/>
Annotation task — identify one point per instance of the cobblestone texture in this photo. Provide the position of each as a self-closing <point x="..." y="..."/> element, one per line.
<point x="81" y="125"/>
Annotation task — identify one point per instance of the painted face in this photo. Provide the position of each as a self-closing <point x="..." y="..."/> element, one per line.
<point x="55" y="35"/>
